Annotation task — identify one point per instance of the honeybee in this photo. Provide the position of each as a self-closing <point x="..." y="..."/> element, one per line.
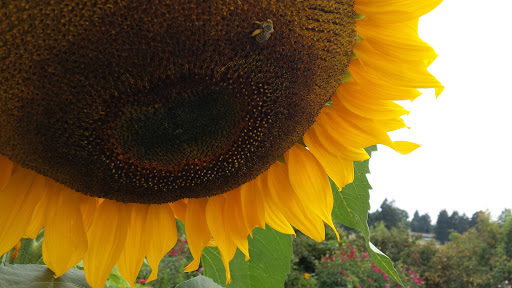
<point x="263" y="33"/>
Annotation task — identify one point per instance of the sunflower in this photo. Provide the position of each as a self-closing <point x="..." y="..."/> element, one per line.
<point x="117" y="117"/>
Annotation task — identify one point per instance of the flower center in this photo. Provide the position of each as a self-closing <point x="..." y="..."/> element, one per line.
<point x="152" y="103"/>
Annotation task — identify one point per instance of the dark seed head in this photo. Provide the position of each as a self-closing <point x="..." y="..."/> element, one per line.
<point x="155" y="101"/>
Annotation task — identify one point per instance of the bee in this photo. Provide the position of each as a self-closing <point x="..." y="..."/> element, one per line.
<point x="263" y="33"/>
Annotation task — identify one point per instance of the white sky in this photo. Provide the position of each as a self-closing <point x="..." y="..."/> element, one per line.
<point x="465" y="160"/>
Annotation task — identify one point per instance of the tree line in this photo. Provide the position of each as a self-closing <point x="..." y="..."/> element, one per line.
<point x="393" y="216"/>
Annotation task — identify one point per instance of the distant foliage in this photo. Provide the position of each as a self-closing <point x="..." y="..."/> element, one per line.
<point x="443" y="226"/>
<point x="390" y="215"/>
<point x="455" y="222"/>
<point x="472" y="259"/>
<point x="505" y="236"/>
<point x="421" y="224"/>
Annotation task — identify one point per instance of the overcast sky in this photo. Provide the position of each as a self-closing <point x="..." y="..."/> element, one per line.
<point x="465" y="160"/>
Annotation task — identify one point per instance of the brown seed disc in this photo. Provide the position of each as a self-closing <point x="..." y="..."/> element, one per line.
<point x="156" y="101"/>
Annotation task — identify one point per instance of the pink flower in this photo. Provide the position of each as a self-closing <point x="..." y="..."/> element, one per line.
<point x="343" y="258"/>
<point x="342" y="271"/>
<point x="348" y="245"/>
<point x="332" y="257"/>
<point x="142" y="281"/>
<point x="352" y="252"/>
<point x="365" y="255"/>
<point x="370" y="280"/>
<point x="387" y="286"/>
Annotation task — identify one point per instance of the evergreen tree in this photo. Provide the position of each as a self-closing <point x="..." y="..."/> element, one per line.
<point x="390" y="215"/>
<point x="426" y="223"/>
<point x="461" y="223"/>
<point x="416" y="222"/>
<point x="421" y="224"/>
<point x="443" y="225"/>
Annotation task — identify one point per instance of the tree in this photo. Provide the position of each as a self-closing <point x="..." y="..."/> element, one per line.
<point x="474" y="218"/>
<point x="421" y="224"/>
<point x="459" y="223"/>
<point x="504" y="216"/>
<point x="471" y="259"/>
<point x="426" y="223"/>
<point x="416" y="222"/>
<point x="390" y="215"/>
<point x="505" y="221"/>
<point x="443" y="225"/>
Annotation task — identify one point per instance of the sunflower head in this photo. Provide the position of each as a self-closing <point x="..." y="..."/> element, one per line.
<point x="116" y="117"/>
<point x="156" y="102"/>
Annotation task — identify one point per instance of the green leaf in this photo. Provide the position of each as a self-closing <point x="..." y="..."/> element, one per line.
<point x="270" y="252"/>
<point x="199" y="282"/>
<point x="39" y="276"/>
<point x="115" y="280"/>
<point x="351" y="207"/>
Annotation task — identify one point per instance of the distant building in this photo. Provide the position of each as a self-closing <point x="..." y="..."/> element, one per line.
<point x="423" y="236"/>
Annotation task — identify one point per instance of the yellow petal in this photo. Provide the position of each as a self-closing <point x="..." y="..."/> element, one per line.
<point x="252" y="205"/>
<point x="5" y="171"/>
<point x="404" y="147"/>
<point x="106" y="239"/>
<point x="340" y="170"/>
<point x="136" y="245"/>
<point x="215" y="219"/>
<point x="354" y="130"/>
<point x="273" y="215"/>
<point x="196" y="229"/>
<point x="17" y="203"/>
<point x="235" y="222"/>
<point x="334" y="143"/>
<point x="399" y="41"/>
<point x="406" y="73"/>
<point x="391" y="124"/>
<point x="16" y="252"/>
<point x="88" y="207"/>
<point x="310" y="182"/>
<point x="162" y="234"/>
<point x="377" y="87"/>
<point x="394" y="11"/>
<point x="358" y="101"/>
<point x="65" y="239"/>
<point x="39" y="216"/>
<point x="296" y="212"/>
<point x="180" y="210"/>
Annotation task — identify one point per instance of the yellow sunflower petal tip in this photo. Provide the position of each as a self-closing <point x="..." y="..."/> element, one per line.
<point x="439" y="90"/>
<point x="404" y="147"/>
